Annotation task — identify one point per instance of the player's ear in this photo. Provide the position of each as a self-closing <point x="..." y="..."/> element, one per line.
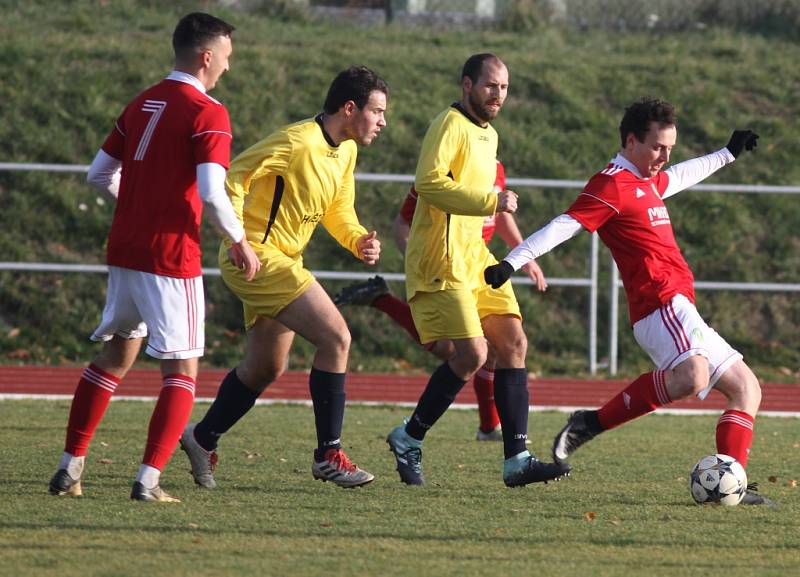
<point x="349" y="107"/>
<point x="205" y="57"/>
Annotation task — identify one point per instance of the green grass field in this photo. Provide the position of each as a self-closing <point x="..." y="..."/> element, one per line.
<point x="626" y="510"/>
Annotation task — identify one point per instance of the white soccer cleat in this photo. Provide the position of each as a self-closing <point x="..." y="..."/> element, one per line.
<point x="203" y="462"/>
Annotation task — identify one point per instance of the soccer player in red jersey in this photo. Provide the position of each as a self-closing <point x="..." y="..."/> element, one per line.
<point x="624" y="203"/>
<point x="375" y="292"/>
<point x="173" y="141"/>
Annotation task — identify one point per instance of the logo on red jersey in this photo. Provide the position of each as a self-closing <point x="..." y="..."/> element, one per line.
<point x="658" y="215"/>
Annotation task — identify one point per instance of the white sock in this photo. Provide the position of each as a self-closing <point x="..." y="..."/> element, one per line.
<point x="73" y="465"/>
<point x="148" y="476"/>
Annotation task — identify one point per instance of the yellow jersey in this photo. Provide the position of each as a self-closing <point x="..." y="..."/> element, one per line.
<point x="454" y="181"/>
<point x="284" y="185"/>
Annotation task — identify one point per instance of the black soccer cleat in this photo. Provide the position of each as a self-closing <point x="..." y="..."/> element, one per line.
<point x="751" y="497"/>
<point x="362" y="293"/>
<point x="581" y="427"/>
<point x="532" y="470"/>
<point x="63" y="484"/>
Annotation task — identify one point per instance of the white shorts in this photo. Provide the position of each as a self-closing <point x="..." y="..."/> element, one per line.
<point x="676" y="332"/>
<point x="171" y="310"/>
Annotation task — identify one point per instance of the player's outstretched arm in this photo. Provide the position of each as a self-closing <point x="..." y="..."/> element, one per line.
<point x="689" y="172"/>
<point x="509" y="231"/>
<point x="545" y="239"/>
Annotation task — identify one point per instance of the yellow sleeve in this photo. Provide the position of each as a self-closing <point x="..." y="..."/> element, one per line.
<point x="269" y="155"/>
<point x="440" y="149"/>
<point x="340" y="219"/>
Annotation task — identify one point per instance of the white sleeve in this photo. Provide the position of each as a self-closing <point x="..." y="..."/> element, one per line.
<point x="688" y="173"/>
<point x="104" y="173"/>
<point x="561" y="228"/>
<point x="211" y="186"/>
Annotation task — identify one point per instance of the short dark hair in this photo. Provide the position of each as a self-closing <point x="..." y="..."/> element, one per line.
<point x="639" y="115"/>
<point x="355" y="83"/>
<point x="195" y="31"/>
<point x="474" y="65"/>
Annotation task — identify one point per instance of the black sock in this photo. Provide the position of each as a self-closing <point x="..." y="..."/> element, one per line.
<point x="327" y="395"/>
<point x="233" y="401"/>
<point x="511" y="398"/>
<point x="439" y="394"/>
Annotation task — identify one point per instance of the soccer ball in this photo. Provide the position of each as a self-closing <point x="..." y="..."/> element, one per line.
<point x="718" y="479"/>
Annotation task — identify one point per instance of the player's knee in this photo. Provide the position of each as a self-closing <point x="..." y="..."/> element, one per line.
<point x="687" y="386"/>
<point x="470" y="360"/>
<point x="337" y="343"/>
<point x="260" y="377"/>
<point x="744" y="390"/>
<point x="510" y="352"/>
<point x="688" y="379"/>
<point x="442" y="349"/>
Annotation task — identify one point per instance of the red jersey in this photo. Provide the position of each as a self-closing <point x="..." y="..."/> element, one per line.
<point x="629" y="215"/>
<point x="160" y="138"/>
<point x="410" y="204"/>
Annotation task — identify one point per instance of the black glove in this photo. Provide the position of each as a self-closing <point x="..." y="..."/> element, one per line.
<point x="497" y="274"/>
<point x="742" y="139"/>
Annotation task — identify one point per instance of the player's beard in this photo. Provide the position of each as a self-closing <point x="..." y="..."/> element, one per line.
<point x="483" y="112"/>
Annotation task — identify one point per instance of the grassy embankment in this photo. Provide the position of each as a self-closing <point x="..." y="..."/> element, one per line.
<point x="68" y="72"/>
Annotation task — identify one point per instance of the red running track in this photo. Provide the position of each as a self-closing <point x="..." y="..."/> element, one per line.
<point x="373" y="388"/>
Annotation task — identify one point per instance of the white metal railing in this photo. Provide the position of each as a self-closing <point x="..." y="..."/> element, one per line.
<point x="590" y="281"/>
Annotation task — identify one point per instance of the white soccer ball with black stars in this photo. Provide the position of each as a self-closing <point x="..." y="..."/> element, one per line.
<point x="718" y="479"/>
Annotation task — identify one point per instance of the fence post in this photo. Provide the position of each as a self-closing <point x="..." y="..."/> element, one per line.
<point x="593" y="305"/>
<point x="613" y="319"/>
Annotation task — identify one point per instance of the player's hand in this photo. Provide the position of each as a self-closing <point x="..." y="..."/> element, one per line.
<point x="742" y="140"/>
<point x="497" y="274"/>
<point x="242" y="256"/>
<point x="506" y="201"/>
<point x="535" y="273"/>
<point x="369" y="248"/>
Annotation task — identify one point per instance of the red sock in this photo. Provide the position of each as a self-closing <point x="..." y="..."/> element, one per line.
<point x="735" y="435"/>
<point x="484" y="391"/>
<point x="399" y="311"/>
<point x="172" y="412"/>
<point x="642" y="396"/>
<point x="89" y="404"/>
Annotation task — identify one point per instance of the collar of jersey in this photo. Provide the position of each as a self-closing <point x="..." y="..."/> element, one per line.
<point x="620" y="160"/>
<point x="472" y="119"/>
<point x="328" y="139"/>
<point x="179" y="76"/>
